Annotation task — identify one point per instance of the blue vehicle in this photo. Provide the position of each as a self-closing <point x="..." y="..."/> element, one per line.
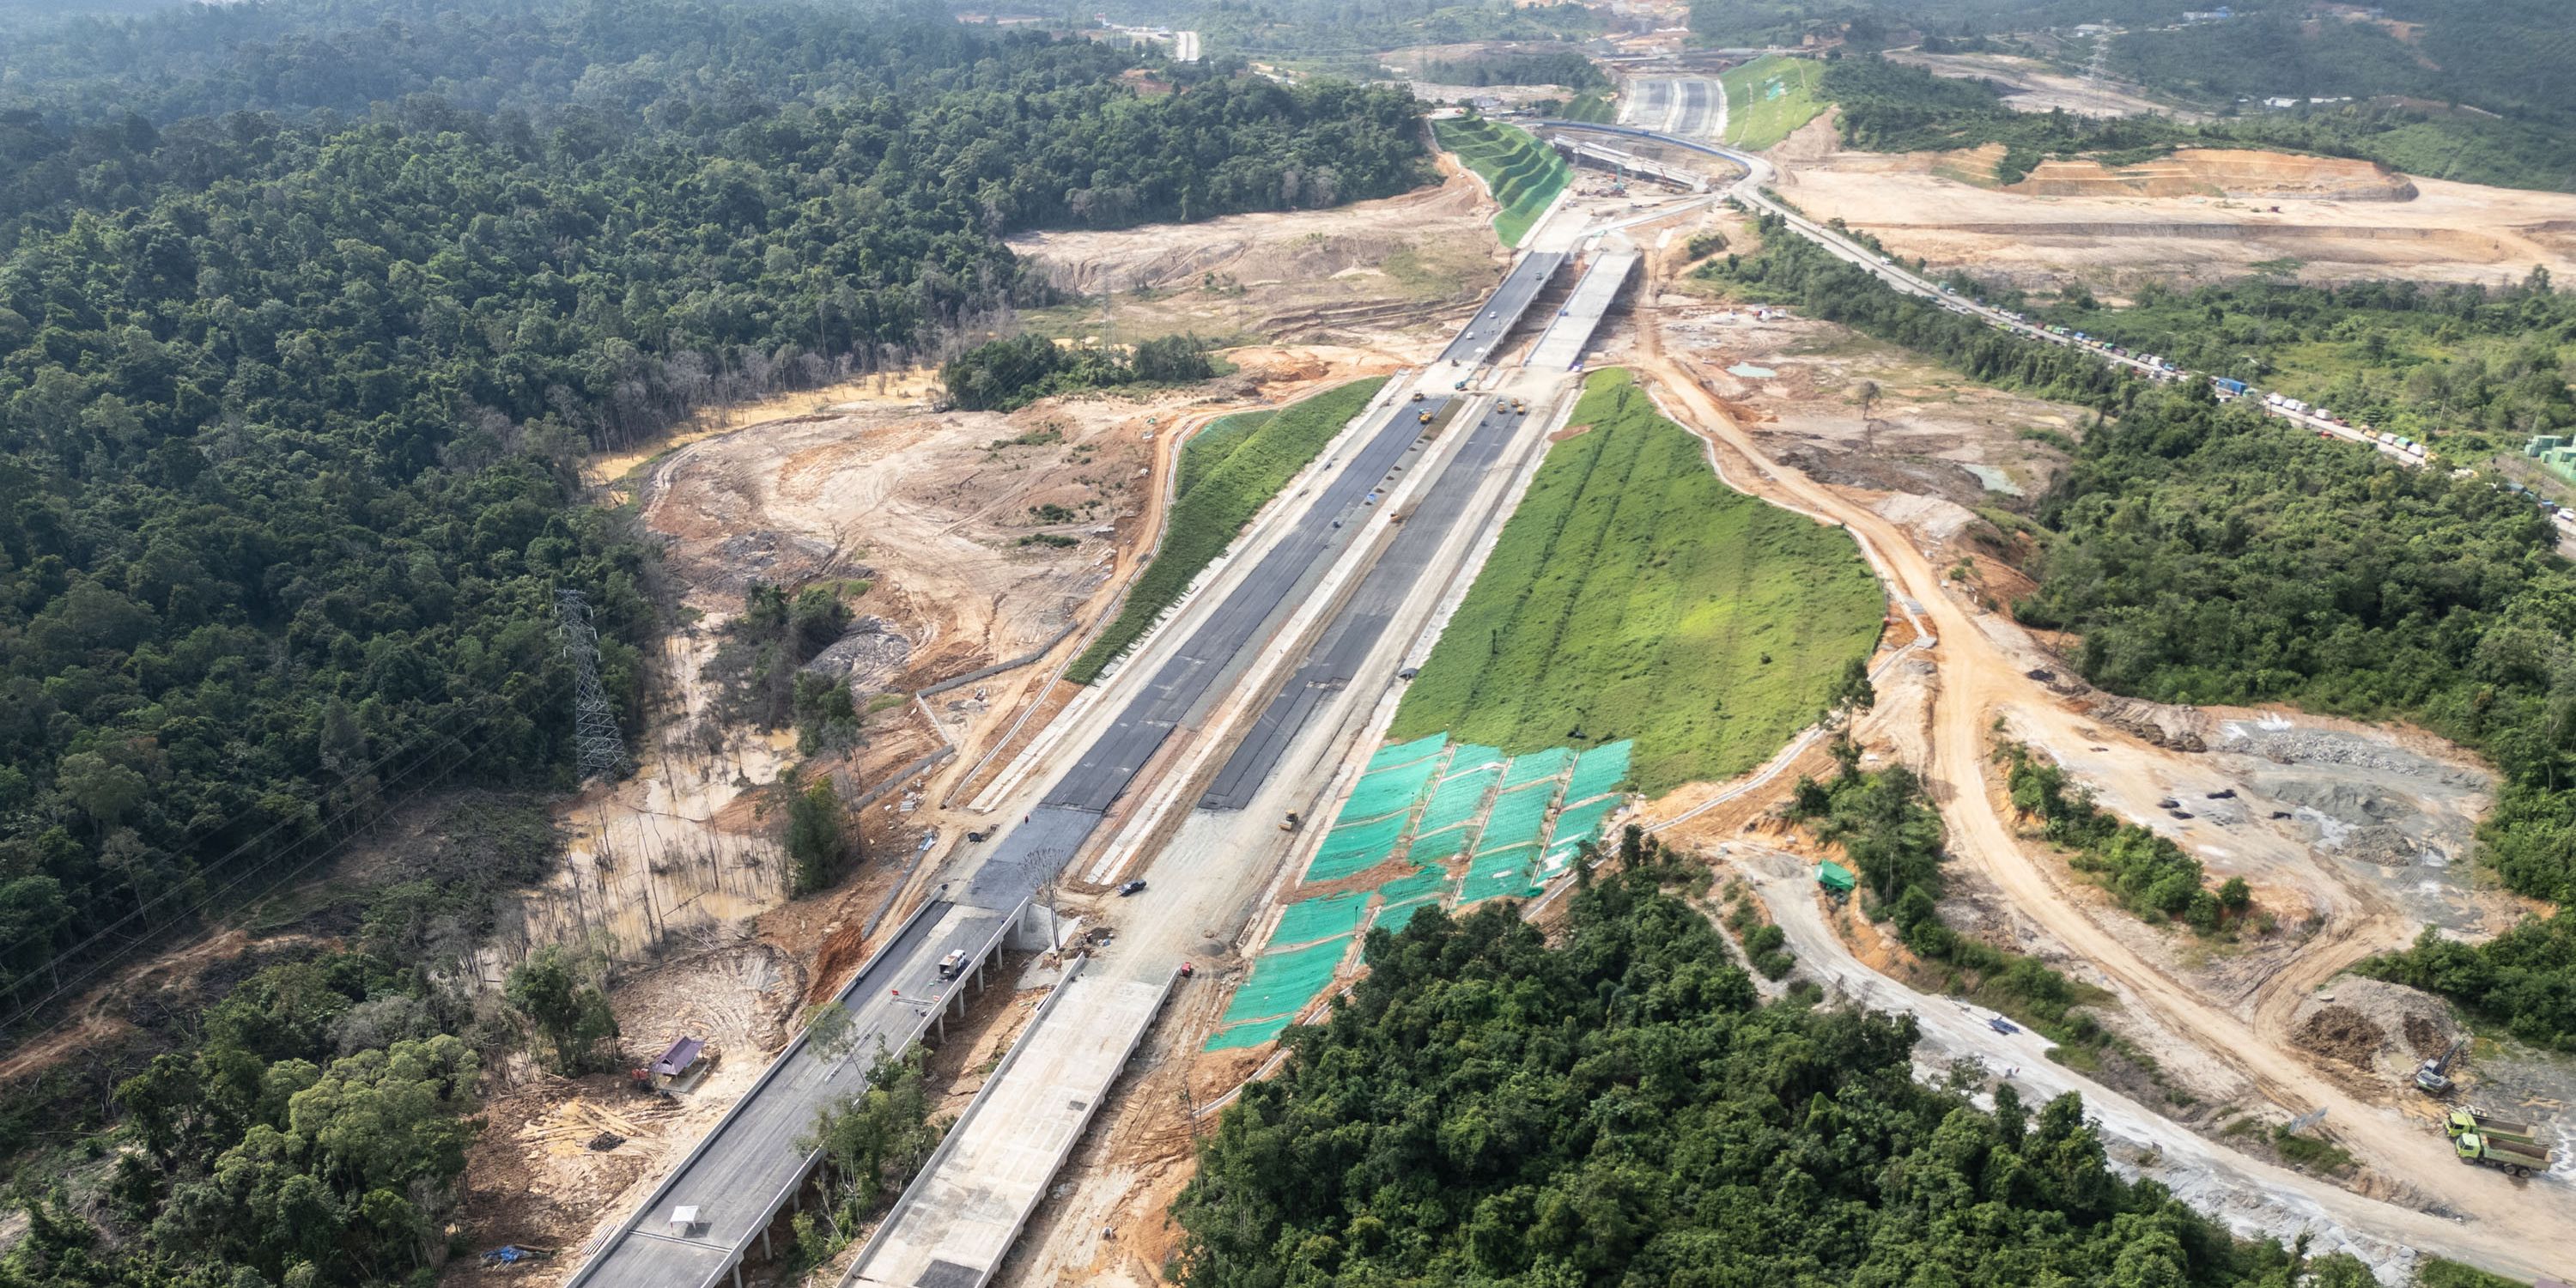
<point x="2233" y="388"/>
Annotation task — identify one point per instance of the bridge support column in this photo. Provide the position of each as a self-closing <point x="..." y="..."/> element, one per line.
<point x="764" y="1244"/>
<point x="737" y="1275"/>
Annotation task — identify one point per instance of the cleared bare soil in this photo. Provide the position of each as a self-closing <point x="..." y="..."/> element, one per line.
<point x="2031" y="86"/>
<point x="1386" y="273"/>
<point x="2201" y="216"/>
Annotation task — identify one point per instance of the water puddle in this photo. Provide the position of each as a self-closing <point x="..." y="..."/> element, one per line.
<point x="1994" y="479"/>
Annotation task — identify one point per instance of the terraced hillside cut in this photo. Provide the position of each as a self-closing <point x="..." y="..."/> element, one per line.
<point x="1525" y="174"/>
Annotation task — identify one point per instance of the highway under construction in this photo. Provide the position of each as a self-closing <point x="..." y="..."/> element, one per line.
<point x="1245" y="704"/>
<point x="1229" y="713"/>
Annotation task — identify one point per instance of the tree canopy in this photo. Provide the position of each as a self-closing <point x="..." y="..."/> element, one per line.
<point x="1618" y="1110"/>
<point x="2207" y="554"/>
<point x="291" y="396"/>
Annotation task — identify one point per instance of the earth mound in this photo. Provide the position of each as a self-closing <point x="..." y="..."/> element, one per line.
<point x="2189" y="172"/>
<point x="2374" y="1026"/>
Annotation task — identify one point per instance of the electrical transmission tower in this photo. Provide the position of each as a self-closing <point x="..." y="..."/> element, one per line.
<point x="594" y="726"/>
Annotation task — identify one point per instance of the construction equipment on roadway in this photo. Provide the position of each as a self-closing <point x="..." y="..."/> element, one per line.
<point x="2463" y="1122"/>
<point x="2433" y="1075"/>
<point x="1422" y="417"/>
<point x="1417" y="395"/>
<point x="2518" y="1157"/>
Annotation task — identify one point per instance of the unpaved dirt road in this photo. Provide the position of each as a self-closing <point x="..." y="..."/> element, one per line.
<point x="1978" y="678"/>
<point x="2251" y="1197"/>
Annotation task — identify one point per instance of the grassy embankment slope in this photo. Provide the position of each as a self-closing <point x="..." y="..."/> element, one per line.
<point x="1769" y="98"/>
<point x="1633" y="595"/>
<point x="1227" y="474"/>
<point x="1525" y="174"/>
<point x="1593" y="105"/>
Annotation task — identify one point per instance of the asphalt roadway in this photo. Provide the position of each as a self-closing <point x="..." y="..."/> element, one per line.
<point x="739" y="1172"/>
<point x="737" y="1175"/>
<point x="1486" y="330"/>
<point x="1363" y="619"/>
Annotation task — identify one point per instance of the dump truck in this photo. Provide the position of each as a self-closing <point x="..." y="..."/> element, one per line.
<point x="2521" y="1158"/>
<point x="2465" y="1121"/>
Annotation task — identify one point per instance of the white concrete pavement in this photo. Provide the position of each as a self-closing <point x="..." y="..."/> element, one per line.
<point x="953" y="1226"/>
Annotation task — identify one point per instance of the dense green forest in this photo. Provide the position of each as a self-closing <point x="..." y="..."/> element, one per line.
<point x="2206" y="554"/>
<point x="1619" y="1110"/>
<point x="999" y="375"/>
<point x="289" y="401"/>
<point x="2507" y="56"/>
<point x="2423" y="361"/>
<point x="1554" y="67"/>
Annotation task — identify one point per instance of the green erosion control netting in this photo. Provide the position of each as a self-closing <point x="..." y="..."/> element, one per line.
<point x="1313" y="919"/>
<point x="1439" y="848"/>
<point x="1355" y="847"/>
<point x="1598" y="771"/>
<point x="1536" y="766"/>
<point x="1516" y="818"/>
<point x="1427" y="882"/>
<point x="1578" y="823"/>
<point x="1501" y="872"/>
<point x="1282" y="983"/>
<point x="1251" y="1033"/>
<point x="1458" y="798"/>
<point x="1379" y="821"/>
<point x="1389" y="790"/>
<point x="1407" y="752"/>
